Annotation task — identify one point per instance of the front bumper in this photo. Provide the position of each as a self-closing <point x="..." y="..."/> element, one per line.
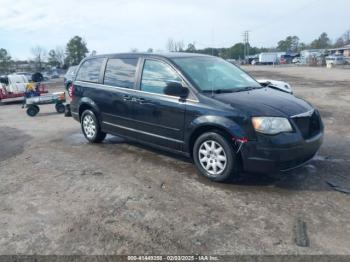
<point x="273" y="154"/>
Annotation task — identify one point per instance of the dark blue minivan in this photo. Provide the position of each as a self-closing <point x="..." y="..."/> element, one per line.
<point x="197" y="105"/>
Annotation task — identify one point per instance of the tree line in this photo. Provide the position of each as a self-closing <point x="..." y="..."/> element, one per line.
<point x="289" y="44"/>
<point x="76" y="49"/>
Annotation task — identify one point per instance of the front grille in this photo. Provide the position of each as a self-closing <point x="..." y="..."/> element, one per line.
<point x="309" y="126"/>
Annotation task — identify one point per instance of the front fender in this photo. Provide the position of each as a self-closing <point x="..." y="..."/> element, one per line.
<point x="220" y="122"/>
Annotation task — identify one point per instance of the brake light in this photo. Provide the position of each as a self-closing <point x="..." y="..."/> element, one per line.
<point x="71" y="90"/>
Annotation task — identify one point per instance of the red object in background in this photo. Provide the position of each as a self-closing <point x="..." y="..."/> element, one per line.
<point x="71" y="90"/>
<point x="41" y="88"/>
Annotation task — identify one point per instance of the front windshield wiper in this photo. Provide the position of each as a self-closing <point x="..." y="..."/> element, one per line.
<point x="218" y="91"/>
<point x="247" y="88"/>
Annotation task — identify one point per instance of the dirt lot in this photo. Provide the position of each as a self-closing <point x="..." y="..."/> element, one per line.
<point x="61" y="195"/>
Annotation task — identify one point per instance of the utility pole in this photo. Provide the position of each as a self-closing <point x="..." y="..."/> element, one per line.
<point x="246" y="43"/>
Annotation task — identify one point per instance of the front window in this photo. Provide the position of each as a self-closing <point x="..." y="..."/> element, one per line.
<point x="156" y="75"/>
<point x="214" y="74"/>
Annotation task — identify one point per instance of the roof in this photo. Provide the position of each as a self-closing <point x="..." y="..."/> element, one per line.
<point x="347" y="47"/>
<point x="165" y="55"/>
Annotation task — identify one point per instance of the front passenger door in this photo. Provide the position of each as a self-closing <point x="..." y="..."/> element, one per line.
<point x="159" y="117"/>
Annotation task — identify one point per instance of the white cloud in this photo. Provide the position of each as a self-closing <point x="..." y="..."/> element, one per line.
<point x="116" y="26"/>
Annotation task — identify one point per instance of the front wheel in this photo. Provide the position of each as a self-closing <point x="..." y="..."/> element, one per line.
<point x="91" y="127"/>
<point x="214" y="157"/>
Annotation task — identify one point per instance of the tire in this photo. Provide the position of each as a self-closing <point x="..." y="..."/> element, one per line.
<point x="67" y="112"/>
<point x="214" y="157"/>
<point x="33" y="110"/>
<point x="91" y="127"/>
<point x="60" y="108"/>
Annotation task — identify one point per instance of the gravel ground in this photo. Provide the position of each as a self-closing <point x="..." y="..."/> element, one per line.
<point x="61" y="195"/>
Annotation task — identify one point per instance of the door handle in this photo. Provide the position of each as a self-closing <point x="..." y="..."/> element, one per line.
<point x="143" y="101"/>
<point x="127" y="98"/>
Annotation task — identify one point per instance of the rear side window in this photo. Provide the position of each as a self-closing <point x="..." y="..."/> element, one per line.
<point x="90" y="70"/>
<point x="121" y="72"/>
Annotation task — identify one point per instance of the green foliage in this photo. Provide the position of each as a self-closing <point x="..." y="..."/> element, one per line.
<point x="5" y="61"/>
<point x="291" y="43"/>
<point x="191" y="48"/>
<point x="76" y="50"/>
<point x="52" y="59"/>
<point x="322" y="42"/>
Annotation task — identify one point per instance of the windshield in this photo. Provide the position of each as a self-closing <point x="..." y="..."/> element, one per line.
<point x="215" y="74"/>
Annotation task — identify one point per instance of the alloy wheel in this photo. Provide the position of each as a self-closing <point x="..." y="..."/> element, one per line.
<point x="89" y="126"/>
<point x="212" y="157"/>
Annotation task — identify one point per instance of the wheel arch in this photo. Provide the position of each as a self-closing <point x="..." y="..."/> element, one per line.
<point x="88" y="104"/>
<point x="204" y="124"/>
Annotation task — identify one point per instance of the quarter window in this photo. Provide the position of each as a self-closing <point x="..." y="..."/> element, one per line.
<point x="156" y="75"/>
<point x="90" y="70"/>
<point x="121" y="72"/>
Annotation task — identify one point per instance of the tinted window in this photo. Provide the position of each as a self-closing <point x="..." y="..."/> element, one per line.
<point x="121" y="72"/>
<point x="156" y="75"/>
<point x="90" y="70"/>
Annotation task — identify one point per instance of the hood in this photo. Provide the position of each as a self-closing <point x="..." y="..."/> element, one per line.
<point x="265" y="102"/>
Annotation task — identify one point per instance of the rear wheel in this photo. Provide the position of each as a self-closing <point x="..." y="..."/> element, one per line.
<point x="91" y="127"/>
<point x="33" y="110"/>
<point x="214" y="157"/>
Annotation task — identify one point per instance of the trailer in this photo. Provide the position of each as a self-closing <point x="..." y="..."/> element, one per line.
<point x="270" y="58"/>
<point x="58" y="99"/>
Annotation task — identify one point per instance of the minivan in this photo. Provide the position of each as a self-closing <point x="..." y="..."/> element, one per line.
<point x="196" y="105"/>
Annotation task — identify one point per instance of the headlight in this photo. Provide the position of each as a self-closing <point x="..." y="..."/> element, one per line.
<point x="271" y="125"/>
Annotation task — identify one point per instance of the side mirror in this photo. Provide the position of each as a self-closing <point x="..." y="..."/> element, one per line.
<point x="176" y="89"/>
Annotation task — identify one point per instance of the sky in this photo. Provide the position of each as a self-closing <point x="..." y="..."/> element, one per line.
<point x="112" y="26"/>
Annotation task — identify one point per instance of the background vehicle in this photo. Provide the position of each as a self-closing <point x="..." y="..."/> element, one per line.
<point x="69" y="76"/>
<point x="333" y="60"/>
<point x="196" y="105"/>
<point x="296" y="60"/>
<point x="270" y="58"/>
<point x="13" y="87"/>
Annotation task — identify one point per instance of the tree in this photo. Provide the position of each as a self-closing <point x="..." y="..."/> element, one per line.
<point x="39" y="54"/>
<point x="339" y="43"/>
<point x="60" y="55"/>
<point x="52" y="59"/>
<point x="56" y="57"/>
<point x="76" y="50"/>
<point x="175" y="46"/>
<point x="343" y="40"/>
<point x="291" y="43"/>
<point x="150" y="50"/>
<point x="5" y="61"/>
<point x="322" y="42"/>
<point x="191" y="48"/>
<point x="170" y="45"/>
